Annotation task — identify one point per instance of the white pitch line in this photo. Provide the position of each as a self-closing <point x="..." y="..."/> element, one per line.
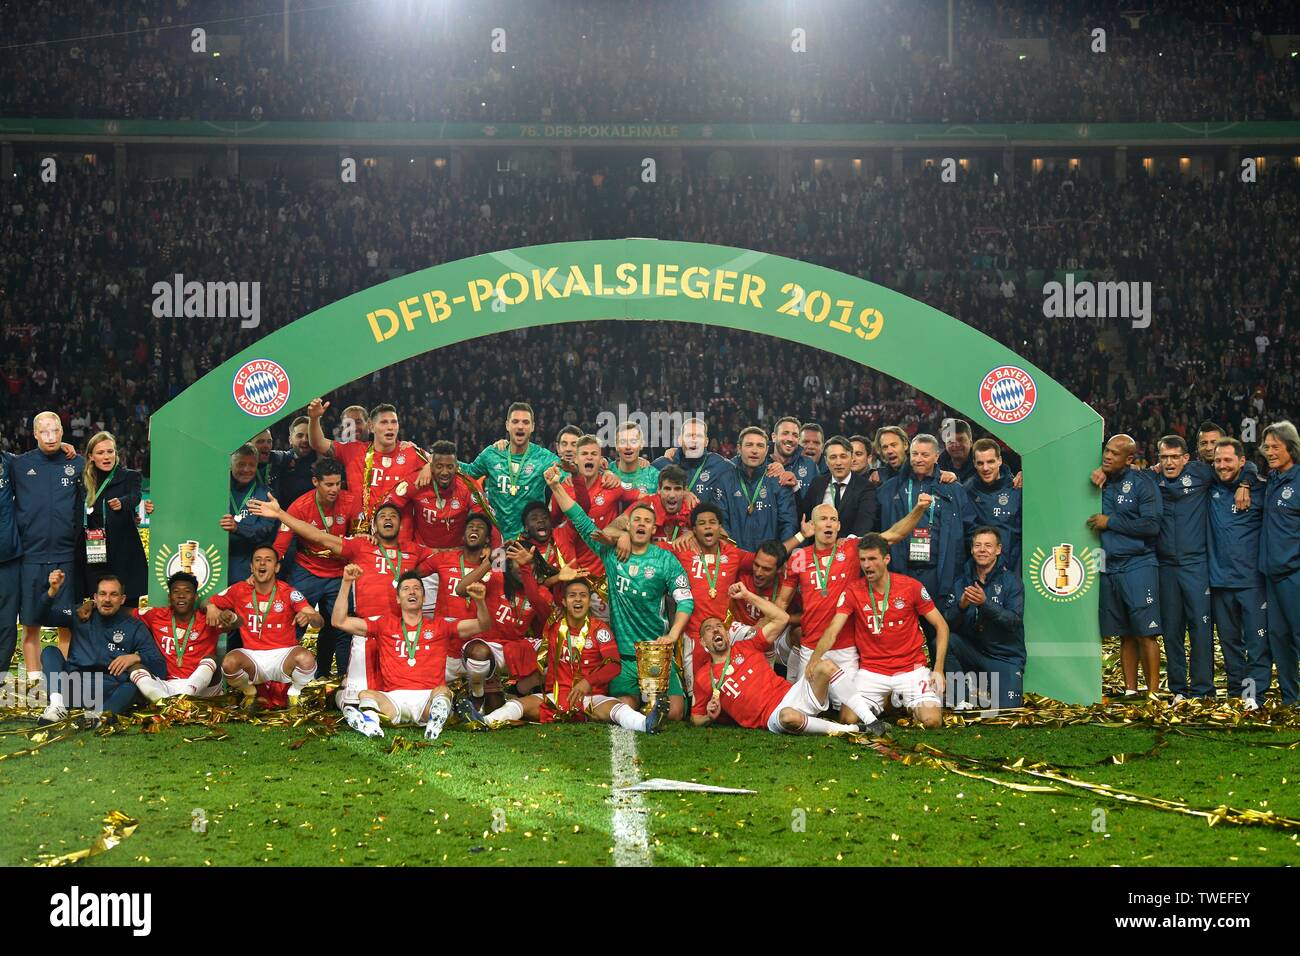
<point x="631" y="846"/>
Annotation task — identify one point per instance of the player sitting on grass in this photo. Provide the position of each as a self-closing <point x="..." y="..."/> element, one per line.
<point x="581" y="659"/>
<point x="187" y="642"/>
<point x="270" y="612"/>
<point x="740" y="683"/>
<point x="411" y="685"/>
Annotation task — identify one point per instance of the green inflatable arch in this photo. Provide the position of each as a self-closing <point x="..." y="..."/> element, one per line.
<point x="1057" y="435"/>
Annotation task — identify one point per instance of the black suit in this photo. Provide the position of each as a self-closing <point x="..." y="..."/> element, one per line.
<point x="859" y="510"/>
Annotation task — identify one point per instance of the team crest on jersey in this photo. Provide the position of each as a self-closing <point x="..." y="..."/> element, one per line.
<point x="401" y="459"/>
<point x="69" y="470"/>
<point x="649" y="573"/>
<point x="455" y="503"/>
<point x="600" y="499"/>
<point x="738" y="659"/>
<point x="803" y="471"/>
<point x="839" y="556"/>
<point x="900" y="603"/>
<point x="762" y="492"/>
<point x="261" y="387"/>
<point x="117" y="638"/>
<point x="528" y="469"/>
<point x="1004" y="499"/>
<point x="723" y="559"/>
<point x="1187" y="481"/>
<point x="1008" y="394"/>
<point x="1126" y="487"/>
<point x="704" y="477"/>
<point x="1286" y="492"/>
<point x="279" y="606"/>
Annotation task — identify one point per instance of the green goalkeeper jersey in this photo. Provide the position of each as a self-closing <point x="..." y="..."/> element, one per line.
<point x="512" y="481"/>
<point x="637" y="586"/>
<point x="645" y="480"/>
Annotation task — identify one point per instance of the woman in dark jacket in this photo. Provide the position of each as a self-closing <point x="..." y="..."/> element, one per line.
<point x="112" y="497"/>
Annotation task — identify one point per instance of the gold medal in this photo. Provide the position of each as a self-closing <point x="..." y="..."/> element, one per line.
<point x="713" y="592"/>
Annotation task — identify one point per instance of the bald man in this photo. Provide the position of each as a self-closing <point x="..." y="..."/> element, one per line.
<point x="1128" y="525"/>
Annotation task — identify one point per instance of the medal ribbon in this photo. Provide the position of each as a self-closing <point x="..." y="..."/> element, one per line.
<point x="182" y="644"/>
<point x="726" y="671"/>
<point x="388" y="566"/>
<point x="412" y="643"/>
<point x="717" y="568"/>
<point x="753" y="495"/>
<point x="575" y="663"/>
<point x="237" y="508"/>
<point x="821" y="571"/>
<point x="879" y="610"/>
<point x="911" y="503"/>
<point x="99" y="492"/>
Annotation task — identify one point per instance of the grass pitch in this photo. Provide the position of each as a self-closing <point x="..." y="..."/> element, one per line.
<point x="542" y="796"/>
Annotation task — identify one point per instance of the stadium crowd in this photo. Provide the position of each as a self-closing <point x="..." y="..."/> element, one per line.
<point x="78" y="268"/>
<point x="673" y="62"/>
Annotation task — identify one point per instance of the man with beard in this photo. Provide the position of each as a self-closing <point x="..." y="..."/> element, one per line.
<point x="187" y="642"/>
<point x="789" y="456"/>
<point x="1237" y="596"/>
<point x="811" y="439"/>
<point x="711" y="571"/>
<point x="109" y="645"/>
<point x="762" y="507"/>
<point x="638" y="585"/>
<point x="513" y="477"/>
<point x="1208" y="436"/>
<point x="408" y="684"/>
<point x="272" y="614"/>
<point x="295" y="468"/>
<point x="891" y="453"/>
<point x="764" y="578"/>
<point x="581" y="657"/>
<point x="672" y="514"/>
<point x="373" y="468"/>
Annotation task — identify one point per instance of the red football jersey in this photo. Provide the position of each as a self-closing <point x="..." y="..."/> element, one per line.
<point x="430" y="516"/>
<point x="201" y="643"/>
<point x="718" y="569"/>
<point x="376" y="589"/>
<point x="808" y="572"/>
<point x="900" y="645"/>
<point x="386" y="469"/>
<point x="452" y="567"/>
<point x="338" y="518"/>
<point x="604" y="503"/>
<point x="667" y="526"/>
<point x="267" y="619"/>
<point x="742" y="612"/>
<point x="411" y="658"/>
<point x="750" y="692"/>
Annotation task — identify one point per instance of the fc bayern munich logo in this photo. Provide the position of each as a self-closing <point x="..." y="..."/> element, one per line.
<point x="261" y="388"/>
<point x="1008" y="394"/>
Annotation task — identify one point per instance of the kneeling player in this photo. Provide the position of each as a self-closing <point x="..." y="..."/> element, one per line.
<point x="740" y="683"/>
<point x="412" y="675"/>
<point x="887" y="609"/>
<point x="271" y="612"/>
<point x="187" y="642"/>
<point x="581" y="659"/>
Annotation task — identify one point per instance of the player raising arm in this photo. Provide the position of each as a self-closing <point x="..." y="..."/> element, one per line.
<point x="740" y="683"/>
<point x="411" y="684"/>
<point x="637" y="587"/>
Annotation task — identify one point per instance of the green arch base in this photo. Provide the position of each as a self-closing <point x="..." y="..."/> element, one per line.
<point x="644" y="279"/>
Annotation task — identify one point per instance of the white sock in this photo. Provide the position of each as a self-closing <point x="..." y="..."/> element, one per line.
<point x="628" y="717"/>
<point x="56" y="699"/>
<point x="239" y="680"/>
<point x="510" y="710"/>
<point x="301" y="678"/>
<point x="356" y="680"/>
<point x="201" y="679"/>
<point x="153" y="689"/>
<point x="848" y="694"/>
<point x="816" y="725"/>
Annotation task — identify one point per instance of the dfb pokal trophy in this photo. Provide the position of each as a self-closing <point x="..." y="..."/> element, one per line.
<point x="654" y="662"/>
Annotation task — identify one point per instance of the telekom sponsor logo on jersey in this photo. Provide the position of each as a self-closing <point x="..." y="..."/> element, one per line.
<point x="1008" y="394"/>
<point x="261" y="388"/>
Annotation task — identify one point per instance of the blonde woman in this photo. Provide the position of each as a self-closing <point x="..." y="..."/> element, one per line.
<point x="112" y="541"/>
